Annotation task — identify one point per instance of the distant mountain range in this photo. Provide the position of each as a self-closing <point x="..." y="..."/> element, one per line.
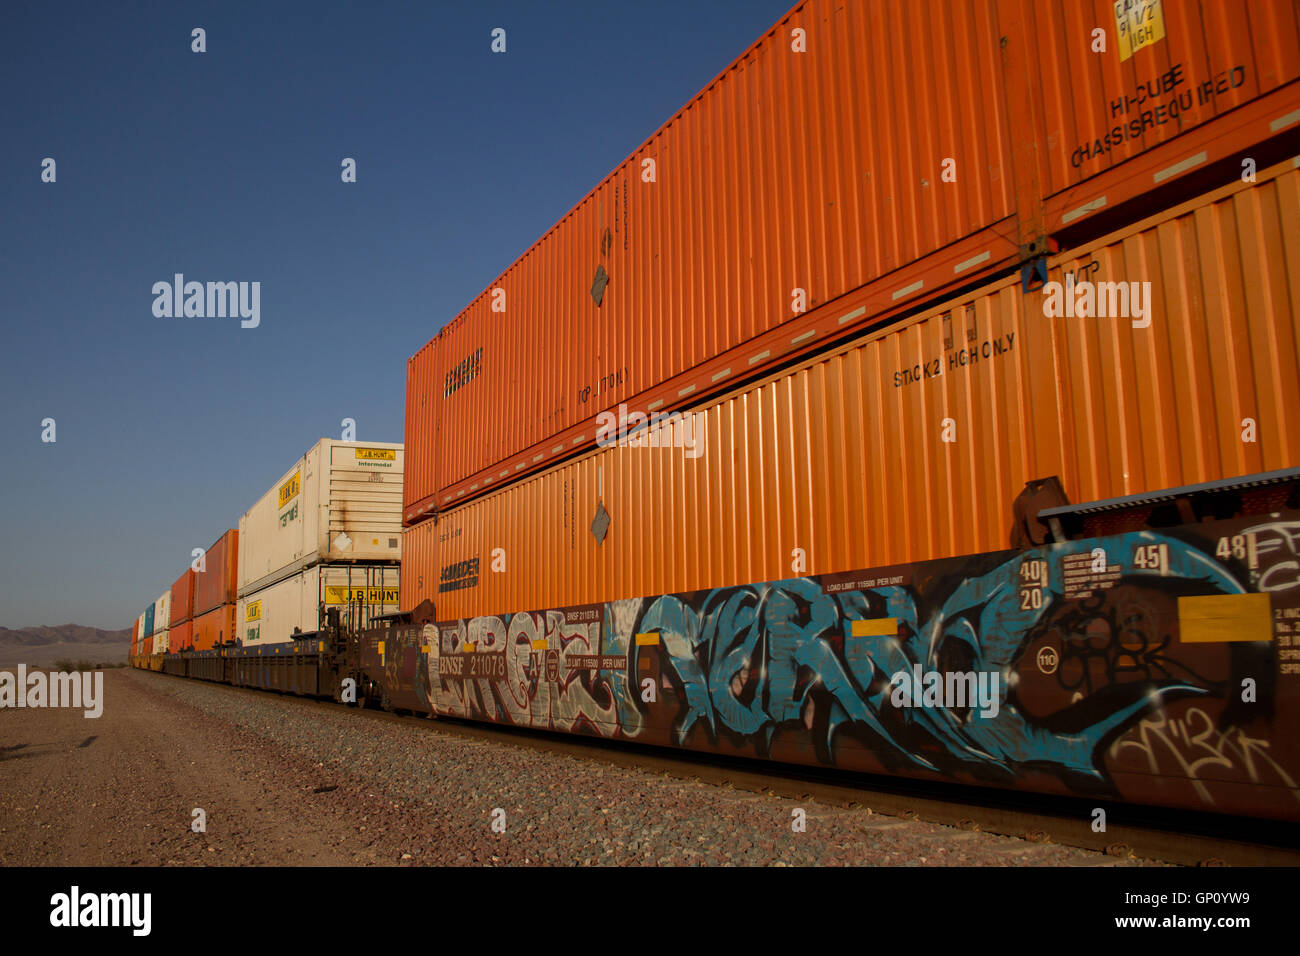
<point x="63" y="634"/>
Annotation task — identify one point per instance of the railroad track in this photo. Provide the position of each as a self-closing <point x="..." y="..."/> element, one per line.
<point x="1180" y="837"/>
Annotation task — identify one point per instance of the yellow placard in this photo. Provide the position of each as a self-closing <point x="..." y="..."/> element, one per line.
<point x="253" y="612"/>
<point x="647" y="640"/>
<point x="373" y="595"/>
<point x="1138" y="23"/>
<point x="289" y="490"/>
<point x="1224" y="618"/>
<point x="376" y="454"/>
<point x="876" y="627"/>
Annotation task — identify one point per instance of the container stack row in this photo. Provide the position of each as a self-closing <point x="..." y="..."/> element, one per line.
<point x="326" y="535"/>
<point x="818" y="321"/>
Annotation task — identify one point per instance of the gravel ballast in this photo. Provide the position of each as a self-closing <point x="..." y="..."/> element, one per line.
<point x="287" y="782"/>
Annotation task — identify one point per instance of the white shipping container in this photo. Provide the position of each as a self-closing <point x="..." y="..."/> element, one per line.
<point x="162" y="612"/>
<point x="342" y="501"/>
<point x="160" y="641"/>
<point x="270" y="615"/>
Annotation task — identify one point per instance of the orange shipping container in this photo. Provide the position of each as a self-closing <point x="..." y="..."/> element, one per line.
<point x="912" y="148"/>
<point x="180" y="637"/>
<point x="183" y="598"/>
<point x="912" y="443"/>
<point x="1166" y="70"/>
<point x="215" y="627"/>
<point x="216" y="583"/>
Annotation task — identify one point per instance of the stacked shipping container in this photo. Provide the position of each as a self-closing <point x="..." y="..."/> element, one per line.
<point x="214" y="594"/>
<point x="913" y="442"/>
<point x="328" y="533"/>
<point x="161" y="622"/>
<point x="873" y="155"/>
<point x="182" y="613"/>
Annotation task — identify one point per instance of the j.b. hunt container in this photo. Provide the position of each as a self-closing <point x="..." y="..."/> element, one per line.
<point x="871" y="154"/>
<point x="342" y="501"/>
<point x="300" y="602"/>
<point x="912" y="443"/>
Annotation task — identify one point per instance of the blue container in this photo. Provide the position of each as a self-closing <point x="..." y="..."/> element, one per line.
<point x="148" y="621"/>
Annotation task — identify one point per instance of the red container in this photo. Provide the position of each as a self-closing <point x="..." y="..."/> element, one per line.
<point x="827" y="172"/>
<point x="216" y="583"/>
<point x="180" y="637"/>
<point x="183" y="598"/>
<point x="215" y="627"/>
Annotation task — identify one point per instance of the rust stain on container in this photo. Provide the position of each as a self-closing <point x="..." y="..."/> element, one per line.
<point x="845" y="461"/>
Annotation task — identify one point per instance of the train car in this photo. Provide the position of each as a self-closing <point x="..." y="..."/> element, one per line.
<point x="831" y="568"/>
<point x="1010" y="497"/>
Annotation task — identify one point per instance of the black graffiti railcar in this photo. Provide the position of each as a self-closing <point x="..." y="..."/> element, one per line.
<point x="1142" y="650"/>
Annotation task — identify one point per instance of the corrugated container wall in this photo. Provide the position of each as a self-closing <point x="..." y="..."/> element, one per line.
<point x="1169" y="67"/>
<point x="148" y="621"/>
<point x="913" y="443"/>
<point x="183" y="597"/>
<point x="906" y="149"/>
<point x="215" y="585"/>
<point x="341" y="501"/>
<point x="160" y="641"/>
<point x="180" y="637"/>
<point x="162" y="611"/>
<point x="215" y="627"/>
<point x="269" y="616"/>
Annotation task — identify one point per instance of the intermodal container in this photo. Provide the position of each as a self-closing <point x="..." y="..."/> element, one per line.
<point x="183" y="597"/>
<point x="162" y="608"/>
<point x="180" y="637"/>
<point x="147" y="630"/>
<point x="215" y="581"/>
<point x="342" y="501"/>
<point x="160" y="641"/>
<point x="1157" y="72"/>
<point x="912" y="443"/>
<point x="301" y="601"/>
<point x="217" y="626"/>
<point x="887" y="150"/>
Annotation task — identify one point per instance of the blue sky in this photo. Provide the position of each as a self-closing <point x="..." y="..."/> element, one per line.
<point x="225" y="166"/>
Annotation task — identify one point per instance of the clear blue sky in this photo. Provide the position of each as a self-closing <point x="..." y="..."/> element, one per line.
<point x="225" y="166"/>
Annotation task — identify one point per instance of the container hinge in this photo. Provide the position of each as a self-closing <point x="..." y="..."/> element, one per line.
<point x="1035" y="272"/>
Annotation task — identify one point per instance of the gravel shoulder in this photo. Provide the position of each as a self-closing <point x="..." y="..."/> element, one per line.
<point x="282" y="782"/>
